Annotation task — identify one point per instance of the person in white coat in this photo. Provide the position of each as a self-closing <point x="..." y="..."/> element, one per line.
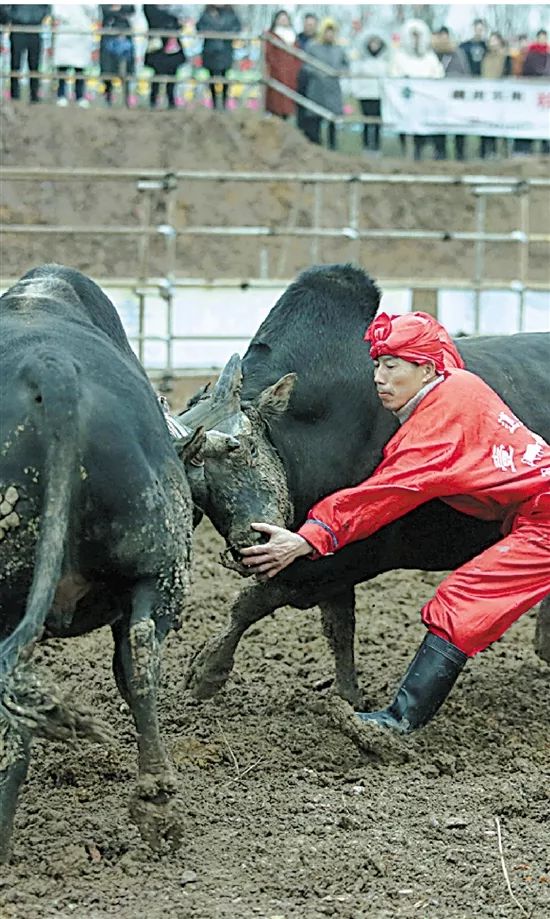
<point x="415" y="57"/>
<point x="367" y="71"/>
<point x="72" y="51"/>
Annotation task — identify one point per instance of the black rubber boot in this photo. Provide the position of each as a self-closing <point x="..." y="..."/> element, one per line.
<point x="427" y="683"/>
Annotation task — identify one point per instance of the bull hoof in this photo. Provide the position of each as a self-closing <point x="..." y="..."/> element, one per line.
<point x="205" y="676"/>
<point x="158" y="813"/>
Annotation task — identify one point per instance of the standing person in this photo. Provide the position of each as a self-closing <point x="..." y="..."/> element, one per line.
<point x="517" y="53"/>
<point x="415" y="58"/>
<point x="455" y="64"/>
<point x="458" y="442"/>
<point x="29" y="43"/>
<point x="116" y="52"/>
<point x="475" y="47"/>
<point x="537" y="64"/>
<point x="496" y="64"/>
<point x="73" y="46"/>
<point x="217" y="53"/>
<point x="164" y="53"/>
<point x="367" y="71"/>
<point x="280" y="65"/>
<point x="307" y="35"/>
<point x="323" y="88"/>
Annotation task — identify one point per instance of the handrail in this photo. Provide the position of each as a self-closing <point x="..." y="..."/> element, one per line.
<point x="61" y="173"/>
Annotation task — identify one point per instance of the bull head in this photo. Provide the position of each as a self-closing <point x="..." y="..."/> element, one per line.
<point x="236" y="476"/>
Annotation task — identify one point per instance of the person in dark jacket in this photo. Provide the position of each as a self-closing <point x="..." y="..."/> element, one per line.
<point x="475" y="48"/>
<point x="217" y="53"/>
<point x="308" y="33"/>
<point x="164" y="53"/>
<point x="29" y="43"/>
<point x="116" y="52"/>
<point x="323" y="88"/>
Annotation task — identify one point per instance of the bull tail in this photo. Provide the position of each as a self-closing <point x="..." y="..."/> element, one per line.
<point x="53" y="387"/>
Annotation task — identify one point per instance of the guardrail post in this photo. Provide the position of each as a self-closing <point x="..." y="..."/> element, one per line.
<point x="479" y="254"/>
<point x="523" y="238"/>
<point x="315" y="249"/>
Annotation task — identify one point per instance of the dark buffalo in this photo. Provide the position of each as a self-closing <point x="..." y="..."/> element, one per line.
<point x="95" y="522"/>
<point x="307" y="421"/>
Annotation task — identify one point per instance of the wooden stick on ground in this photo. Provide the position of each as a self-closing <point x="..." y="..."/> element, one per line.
<point x="505" y="870"/>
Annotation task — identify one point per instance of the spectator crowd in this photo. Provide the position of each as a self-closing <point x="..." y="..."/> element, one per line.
<point x="321" y="74"/>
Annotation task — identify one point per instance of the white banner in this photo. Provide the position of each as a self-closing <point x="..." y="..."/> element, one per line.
<point x="488" y="108"/>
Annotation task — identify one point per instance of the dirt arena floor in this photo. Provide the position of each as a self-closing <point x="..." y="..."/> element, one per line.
<point x="241" y="141"/>
<point x="284" y="816"/>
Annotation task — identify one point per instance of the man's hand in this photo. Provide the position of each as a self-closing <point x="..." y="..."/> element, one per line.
<point x="283" y="548"/>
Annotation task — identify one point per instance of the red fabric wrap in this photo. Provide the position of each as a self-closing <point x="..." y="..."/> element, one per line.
<point x="415" y="337"/>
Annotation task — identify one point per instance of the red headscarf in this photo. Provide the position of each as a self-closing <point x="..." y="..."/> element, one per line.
<point x="416" y="337"/>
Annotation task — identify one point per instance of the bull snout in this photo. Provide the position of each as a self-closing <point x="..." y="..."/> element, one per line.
<point x="231" y="556"/>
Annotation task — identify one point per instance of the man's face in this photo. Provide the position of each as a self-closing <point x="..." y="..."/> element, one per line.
<point x="310" y="26"/>
<point x="397" y="380"/>
<point x="479" y="31"/>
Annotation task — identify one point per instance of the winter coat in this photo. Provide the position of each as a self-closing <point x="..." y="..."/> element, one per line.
<point x="406" y="62"/>
<point x="25" y="14"/>
<point x="217" y="53"/>
<point x="116" y="50"/>
<point x="321" y="88"/>
<point x="164" y="54"/>
<point x="454" y="60"/>
<point x="474" y="50"/>
<point x="368" y="70"/>
<point x="461" y="444"/>
<point x="537" y="61"/>
<point x="70" y="50"/>
<point x="496" y="64"/>
<point x="283" y="67"/>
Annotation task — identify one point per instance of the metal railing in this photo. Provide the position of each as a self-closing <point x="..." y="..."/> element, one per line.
<point x="150" y="181"/>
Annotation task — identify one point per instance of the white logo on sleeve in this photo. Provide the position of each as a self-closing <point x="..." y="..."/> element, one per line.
<point x="507" y="421"/>
<point x="503" y="457"/>
<point x="534" y="452"/>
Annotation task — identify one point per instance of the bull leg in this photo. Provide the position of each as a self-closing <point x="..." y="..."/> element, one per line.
<point x="14" y="761"/>
<point x="136" y="667"/>
<point x="338" y="617"/>
<point x="542" y="631"/>
<point x="211" y="667"/>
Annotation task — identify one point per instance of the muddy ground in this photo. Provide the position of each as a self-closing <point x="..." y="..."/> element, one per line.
<point x="284" y="816"/>
<point x="45" y="136"/>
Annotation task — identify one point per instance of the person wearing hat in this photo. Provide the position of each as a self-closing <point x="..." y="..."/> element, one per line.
<point x="459" y="442"/>
<point x="321" y="87"/>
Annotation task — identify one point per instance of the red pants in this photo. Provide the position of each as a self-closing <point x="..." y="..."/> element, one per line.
<point x="478" y="602"/>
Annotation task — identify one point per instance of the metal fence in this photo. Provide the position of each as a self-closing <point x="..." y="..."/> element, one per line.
<point x="148" y="182"/>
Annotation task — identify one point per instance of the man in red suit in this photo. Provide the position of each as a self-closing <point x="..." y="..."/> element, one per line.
<point x="459" y="442"/>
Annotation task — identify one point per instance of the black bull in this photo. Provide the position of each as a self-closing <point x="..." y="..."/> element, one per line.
<point x="95" y="523"/>
<point x="308" y="421"/>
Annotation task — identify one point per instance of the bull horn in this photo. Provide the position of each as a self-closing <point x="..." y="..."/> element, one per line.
<point x="228" y="387"/>
<point x="224" y="401"/>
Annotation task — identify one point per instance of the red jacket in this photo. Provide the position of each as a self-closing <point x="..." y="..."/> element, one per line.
<point x="461" y="444"/>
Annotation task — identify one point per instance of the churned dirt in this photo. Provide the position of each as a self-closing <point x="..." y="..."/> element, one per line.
<point x="284" y="816"/>
<point x="100" y="138"/>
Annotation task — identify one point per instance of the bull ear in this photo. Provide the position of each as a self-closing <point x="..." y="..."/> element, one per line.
<point x="274" y="400"/>
<point x="188" y="449"/>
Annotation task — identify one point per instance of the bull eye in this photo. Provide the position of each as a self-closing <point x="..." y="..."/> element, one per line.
<point x="253" y="451"/>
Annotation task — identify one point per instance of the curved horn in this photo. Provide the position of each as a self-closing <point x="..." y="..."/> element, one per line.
<point x="224" y="401"/>
<point x="228" y="387"/>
